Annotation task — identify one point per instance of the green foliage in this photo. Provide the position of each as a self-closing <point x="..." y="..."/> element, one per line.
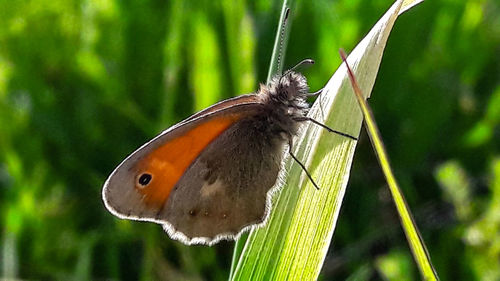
<point x="84" y="83"/>
<point x="479" y="228"/>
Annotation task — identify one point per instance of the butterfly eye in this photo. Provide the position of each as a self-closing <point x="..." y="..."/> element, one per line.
<point x="144" y="179"/>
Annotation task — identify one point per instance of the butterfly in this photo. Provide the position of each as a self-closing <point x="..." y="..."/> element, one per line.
<point x="211" y="176"/>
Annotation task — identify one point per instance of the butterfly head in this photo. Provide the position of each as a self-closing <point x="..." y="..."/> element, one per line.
<point x="289" y="89"/>
<point x="284" y="100"/>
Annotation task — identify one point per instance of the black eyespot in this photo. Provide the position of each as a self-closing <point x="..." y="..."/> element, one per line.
<point x="145" y="179"/>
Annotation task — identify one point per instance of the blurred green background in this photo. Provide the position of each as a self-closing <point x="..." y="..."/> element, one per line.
<point x="84" y="83"/>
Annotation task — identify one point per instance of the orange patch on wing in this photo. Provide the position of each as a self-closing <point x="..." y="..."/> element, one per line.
<point x="168" y="163"/>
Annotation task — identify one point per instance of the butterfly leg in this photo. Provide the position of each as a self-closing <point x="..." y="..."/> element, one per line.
<point x="290" y="149"/>
<point x="315" y="94"/>
<point x="305" y="118"/>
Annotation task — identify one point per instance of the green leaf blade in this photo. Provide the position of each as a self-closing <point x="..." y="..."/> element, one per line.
<point x="294" y="243"/>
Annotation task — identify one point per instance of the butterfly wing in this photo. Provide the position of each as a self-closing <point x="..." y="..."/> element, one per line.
<point x="242" y="99"/>
<point x="166" y="158"/>
<point x="227" y="188"/>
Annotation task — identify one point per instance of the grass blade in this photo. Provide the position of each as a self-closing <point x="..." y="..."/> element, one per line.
<point x="420" y="253"/>
<point x="294" y="243"/>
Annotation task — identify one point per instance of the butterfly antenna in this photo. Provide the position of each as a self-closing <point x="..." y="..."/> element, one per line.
<point x="282" y="38"/>
<point x="303" y="62"/>
<point x="280" y="48"/>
